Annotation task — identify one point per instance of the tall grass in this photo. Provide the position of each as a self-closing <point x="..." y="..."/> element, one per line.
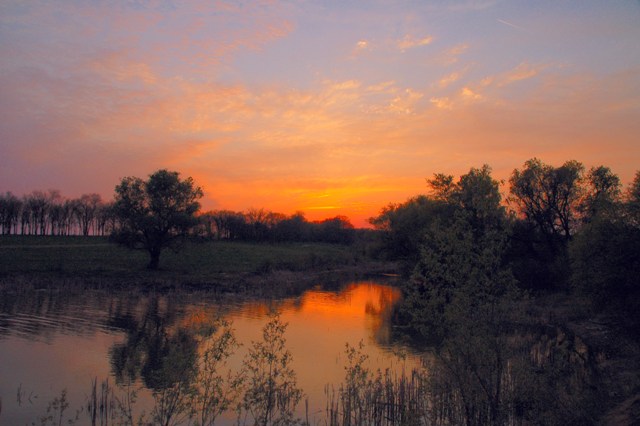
<point x="376" y="398"/>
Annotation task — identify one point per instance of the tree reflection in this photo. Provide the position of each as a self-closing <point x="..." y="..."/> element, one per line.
<point x="155" y="349"/>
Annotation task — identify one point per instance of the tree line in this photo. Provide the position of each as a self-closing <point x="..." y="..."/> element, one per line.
<point x="472" y="262"/>
<point x="49" y="213"/>
<point x="260" y="225"/>
<point x="548" y="217"/>
<point x="159" y="213"/>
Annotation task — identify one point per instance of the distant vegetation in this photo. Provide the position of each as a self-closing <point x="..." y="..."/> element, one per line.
<point x="156" y="214"/>
<point x="50" y="213"/>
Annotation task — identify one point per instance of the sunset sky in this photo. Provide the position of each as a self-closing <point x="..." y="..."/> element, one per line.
<point x="327" y="107"/>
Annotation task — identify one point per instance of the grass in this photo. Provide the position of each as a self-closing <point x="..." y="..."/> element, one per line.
<point x="198" y="262"/>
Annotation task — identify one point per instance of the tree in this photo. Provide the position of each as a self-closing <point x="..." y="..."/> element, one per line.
<point x="10" y="208"/>
<point x="403" y="227"/>
<point x="157" y="213"/>
<point x="460" y="298"/>
<point x="87" y="207"/>
<point x="602" y="194"/>
<point x="548" y="196"/>
<point x="633" y="201"/>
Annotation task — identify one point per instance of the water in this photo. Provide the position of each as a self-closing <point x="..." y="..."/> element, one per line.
<point x="50" y="341"/>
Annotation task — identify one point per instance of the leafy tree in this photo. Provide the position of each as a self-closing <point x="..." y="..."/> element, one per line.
<point x="293" y="228"/>
<point x="157" y="213"/>
<point x="548" y="196"/>
<point x="602" y="195"/>
<point x="633" y="201"/>
<point x="337" y="230"/>
<point x="403" y="226"/>
<point x="461" y="296"/>
<point x="605" y="258"/>
<point x="465" y="252"/>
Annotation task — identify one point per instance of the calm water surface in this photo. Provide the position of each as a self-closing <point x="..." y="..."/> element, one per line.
<point x="51" y="341"/>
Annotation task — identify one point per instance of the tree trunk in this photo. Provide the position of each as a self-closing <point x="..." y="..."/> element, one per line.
<point x="154" y="262"/>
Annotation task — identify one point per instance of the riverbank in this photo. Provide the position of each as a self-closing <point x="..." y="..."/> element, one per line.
<point x="217" y="266"/>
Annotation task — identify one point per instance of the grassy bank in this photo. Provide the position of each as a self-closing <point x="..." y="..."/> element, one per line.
<point x="207" y="263"/>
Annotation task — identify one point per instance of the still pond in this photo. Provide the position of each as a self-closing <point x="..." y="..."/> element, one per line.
<point x="54" y="340"/>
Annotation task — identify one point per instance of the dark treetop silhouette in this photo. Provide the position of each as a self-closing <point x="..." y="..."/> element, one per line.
<point x="157" y="213"/>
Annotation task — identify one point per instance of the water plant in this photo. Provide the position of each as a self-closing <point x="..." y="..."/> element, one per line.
<point x="271" y="394"/>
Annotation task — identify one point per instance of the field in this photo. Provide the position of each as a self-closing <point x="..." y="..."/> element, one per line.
<point x="198" y="262"/>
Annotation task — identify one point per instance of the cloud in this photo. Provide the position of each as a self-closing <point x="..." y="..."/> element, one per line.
<point x="449" y="79"/>
<point x="523" y="71"/>
<point x="451" y="56"/>
<point x="384" y="87"/>
<point x="470" y="95"/>
<point x="442" y="103"/>
<point x="362" y="46"/>
<point x="409" y="42"/>
<point x="406" y="102"/>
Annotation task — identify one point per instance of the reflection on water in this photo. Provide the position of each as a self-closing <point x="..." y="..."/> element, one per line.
<point x="50" y="340"/>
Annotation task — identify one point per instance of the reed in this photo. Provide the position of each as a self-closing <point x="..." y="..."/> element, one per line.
<point x="380" y="398"/>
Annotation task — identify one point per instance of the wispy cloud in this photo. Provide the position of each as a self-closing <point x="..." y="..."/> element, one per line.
<point x="452" y="55"/>
<point x="523" y="71"/>
<point x="410" y="42"/>
<point x="442" y="103"/>
<point x="449" y="79"/>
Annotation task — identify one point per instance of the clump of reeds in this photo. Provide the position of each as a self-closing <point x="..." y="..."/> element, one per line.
<point x="376" y="398"/>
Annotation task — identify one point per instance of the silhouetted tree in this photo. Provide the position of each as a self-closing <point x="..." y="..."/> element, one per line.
<point x="602" y="194"/>
<point x="157" y="213"/>
<point x="293" y="228"/>
<point x="86" y="210"/>
<point x="632" y="205"/>
<point x="605" y="253"/>
<point x="10" y="210"/>
<point x="402" y="226"/>
<point x="337" y="230"/>
<point x="548" y="197"/>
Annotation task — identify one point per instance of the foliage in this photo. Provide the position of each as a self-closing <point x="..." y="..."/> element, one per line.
<point x="264" y="226"/>
<point x="402" y="226"/>
<point x="605" y="258"/>
<point x="548" y="197"/>
<point x="633" y="201"/>
<point x="270" y="389"/>
<point x="157" y="213"/>
<point x="602" y="195"/>
<point x="216" y="387"/>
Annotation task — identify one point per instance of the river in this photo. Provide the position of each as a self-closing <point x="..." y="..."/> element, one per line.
<point x="52" y="341"/>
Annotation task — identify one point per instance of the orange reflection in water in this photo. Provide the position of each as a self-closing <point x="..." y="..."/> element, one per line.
<point x="320" y="324"/>
<point x="355" y="301"/>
